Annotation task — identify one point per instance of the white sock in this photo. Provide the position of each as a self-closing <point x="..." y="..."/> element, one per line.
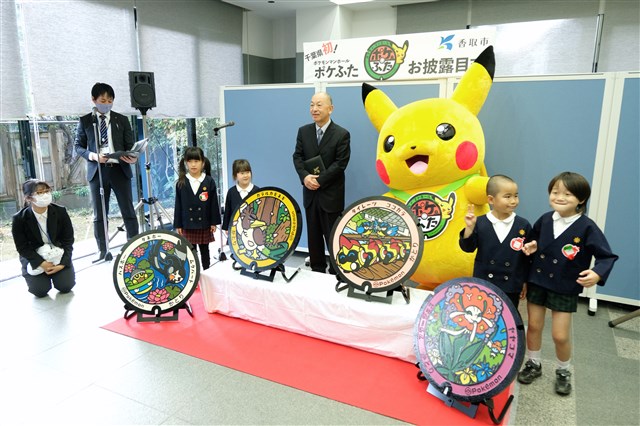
<point x="535" y="356"/>
<point x="563" y="365"/>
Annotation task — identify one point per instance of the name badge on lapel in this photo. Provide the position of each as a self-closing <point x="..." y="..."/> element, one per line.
<point x="517" y="243"/>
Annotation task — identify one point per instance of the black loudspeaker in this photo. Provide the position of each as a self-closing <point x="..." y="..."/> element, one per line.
<point x="143" y="92"/>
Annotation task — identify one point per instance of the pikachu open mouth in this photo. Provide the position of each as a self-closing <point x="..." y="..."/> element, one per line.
<point x="418" y="164"/>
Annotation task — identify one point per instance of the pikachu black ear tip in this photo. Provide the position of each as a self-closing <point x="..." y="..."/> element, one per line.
<point x="366" y="89"/>
<point x="488" y="60"/>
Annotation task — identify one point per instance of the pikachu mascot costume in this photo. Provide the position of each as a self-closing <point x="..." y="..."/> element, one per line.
<point x="431" y="156"/>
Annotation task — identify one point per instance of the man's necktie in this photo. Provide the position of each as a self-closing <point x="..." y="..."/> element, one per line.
<point x="104" y="135"/>
<point x="319" y="135"/>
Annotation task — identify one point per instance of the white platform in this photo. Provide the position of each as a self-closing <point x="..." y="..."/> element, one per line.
<point x="310" y="305"/>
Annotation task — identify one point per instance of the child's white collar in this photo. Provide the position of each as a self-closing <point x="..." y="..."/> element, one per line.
<point x="556" y="216"/>
<point x="247" y="189"/>
<point x="198" y="179"/>
<point x="494" y="219"/>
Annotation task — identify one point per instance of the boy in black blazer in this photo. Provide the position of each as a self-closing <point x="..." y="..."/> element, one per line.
<point x="499" y="237"/>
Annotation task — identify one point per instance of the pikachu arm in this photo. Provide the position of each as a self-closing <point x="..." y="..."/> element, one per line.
<point x="476" y="190"/>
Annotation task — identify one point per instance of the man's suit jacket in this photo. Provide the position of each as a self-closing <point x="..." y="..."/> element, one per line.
<point x="27" y="236"/>
<point x="121" y="135"/>
<point x="335" y="150"/>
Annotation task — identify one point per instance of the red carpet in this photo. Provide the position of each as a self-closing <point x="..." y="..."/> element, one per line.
<point x="373" y="382"/>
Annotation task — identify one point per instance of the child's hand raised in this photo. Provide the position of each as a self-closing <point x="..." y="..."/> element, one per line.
<point x="470" y="217"/>
<point x="470" y="221"/>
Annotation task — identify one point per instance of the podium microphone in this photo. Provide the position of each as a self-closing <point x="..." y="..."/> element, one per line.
<point x="222" y="126"/>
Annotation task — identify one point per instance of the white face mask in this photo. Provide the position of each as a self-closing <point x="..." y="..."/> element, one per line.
<point x="41" y="200"/>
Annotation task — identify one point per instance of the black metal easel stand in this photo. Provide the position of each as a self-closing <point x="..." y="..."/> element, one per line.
<point x="368" y="295"/>
<point x="157" y="317"/>
<point x="470" y="409"/>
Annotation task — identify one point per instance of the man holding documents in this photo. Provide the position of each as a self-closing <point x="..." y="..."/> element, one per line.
<point x="321" y="157"/>
<point x="114" y="133"/>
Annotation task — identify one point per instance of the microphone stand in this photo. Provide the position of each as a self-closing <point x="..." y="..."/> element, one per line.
<point x="96" y="136"/>
<point x="221" y="255"/>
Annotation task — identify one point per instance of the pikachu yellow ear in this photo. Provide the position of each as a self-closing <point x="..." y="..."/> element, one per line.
<point x="475" y="84"/>
<point x="378" y="105"/>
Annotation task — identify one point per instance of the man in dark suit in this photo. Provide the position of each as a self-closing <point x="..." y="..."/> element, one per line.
<point x="114" y="132"/>
<point x="323" y="193"/>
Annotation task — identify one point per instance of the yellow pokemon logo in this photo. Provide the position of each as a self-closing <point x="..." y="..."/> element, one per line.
<point x="433" y="212"/>
<point x="400" y="52"/>
<point x="437" y="146"/>
<point x="383" y="59"/>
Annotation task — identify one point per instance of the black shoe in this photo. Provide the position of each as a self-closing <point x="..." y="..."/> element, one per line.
<point x="99" y="258"/>
<point x="531" y="372"/>
<point x="563" y="381"/>
<point x="102" y="256"/>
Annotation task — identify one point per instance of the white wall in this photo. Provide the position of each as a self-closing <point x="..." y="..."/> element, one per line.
<point x="373" y="23"/>
<point x="315" y="25"/>
<point x="284" y="38"/>
<point x="341" y="23"/>
<point x="257" y="36"/>
<point x="342" y="27"/>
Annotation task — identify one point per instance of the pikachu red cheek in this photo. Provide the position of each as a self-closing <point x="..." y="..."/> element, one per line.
<point x="382" y="172"/>
<point x="466" y="155"/>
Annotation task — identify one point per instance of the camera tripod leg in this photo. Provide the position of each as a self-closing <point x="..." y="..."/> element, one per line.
<point x="156" y="211"/>
<point x="122" y="227"/>
<point x="160" y="211"/>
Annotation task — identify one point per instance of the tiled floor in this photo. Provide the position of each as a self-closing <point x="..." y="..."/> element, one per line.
<point x="57" y="366"/>
<point x="606" y="374"/>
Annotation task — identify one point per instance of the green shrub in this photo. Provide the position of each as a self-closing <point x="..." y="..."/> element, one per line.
<point x="82" y="191"/>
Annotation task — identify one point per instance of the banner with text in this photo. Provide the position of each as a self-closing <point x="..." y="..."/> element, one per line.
<point x="397" y="57"/>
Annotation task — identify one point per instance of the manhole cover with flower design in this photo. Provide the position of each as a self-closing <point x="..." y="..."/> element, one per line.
<point x="469" y="339"/>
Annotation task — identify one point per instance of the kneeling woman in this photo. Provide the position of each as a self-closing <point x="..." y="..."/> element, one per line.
<point x="43" y="235"/>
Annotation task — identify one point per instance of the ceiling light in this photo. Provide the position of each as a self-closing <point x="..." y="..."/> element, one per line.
<point x="343" y="2"/>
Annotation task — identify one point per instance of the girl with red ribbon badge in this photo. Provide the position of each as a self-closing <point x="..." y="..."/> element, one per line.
<point x="197" y="212"/>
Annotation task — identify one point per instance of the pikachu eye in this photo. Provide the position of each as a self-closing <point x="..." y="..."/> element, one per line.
<point x="389" y="142"/>
<point x="445" y="131"/>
